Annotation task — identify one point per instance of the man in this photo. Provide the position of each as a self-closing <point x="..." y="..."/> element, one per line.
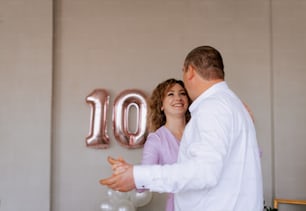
<point x="218" y="167"/>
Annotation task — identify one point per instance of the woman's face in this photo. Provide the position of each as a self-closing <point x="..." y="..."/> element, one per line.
<point x="175" y="101"/>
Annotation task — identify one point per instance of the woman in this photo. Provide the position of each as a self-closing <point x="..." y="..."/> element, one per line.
<point x="167" y="116"/>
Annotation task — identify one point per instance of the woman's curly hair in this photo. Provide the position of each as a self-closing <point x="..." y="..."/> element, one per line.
<point x="156" y="117"/>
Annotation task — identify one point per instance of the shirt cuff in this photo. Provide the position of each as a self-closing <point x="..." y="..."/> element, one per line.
<point x="142" y="176"/>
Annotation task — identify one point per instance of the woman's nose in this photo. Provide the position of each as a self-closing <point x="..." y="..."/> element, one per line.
<point x="178" y="97"/>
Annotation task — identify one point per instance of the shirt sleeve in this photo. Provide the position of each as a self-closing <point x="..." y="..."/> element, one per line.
<point x="150" y="154"/>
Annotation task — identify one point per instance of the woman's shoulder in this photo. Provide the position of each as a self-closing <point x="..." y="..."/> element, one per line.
<point x="153" y="140"/>
<point x="160" y="131"/>
<point x="158" y="134"/>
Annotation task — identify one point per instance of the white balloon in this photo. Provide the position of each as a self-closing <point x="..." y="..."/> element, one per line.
<point x="107" y="205"/>
<point x="140" y="199"/>
<point x="117" y="195"/>
<point x="110" y="193"/>
<point x="125" y="205"/>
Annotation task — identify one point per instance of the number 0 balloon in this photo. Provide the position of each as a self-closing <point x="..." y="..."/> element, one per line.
<point x="123" y="105"/>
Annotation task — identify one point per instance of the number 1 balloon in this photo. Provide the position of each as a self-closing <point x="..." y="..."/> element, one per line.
<point x="98" y="137"/>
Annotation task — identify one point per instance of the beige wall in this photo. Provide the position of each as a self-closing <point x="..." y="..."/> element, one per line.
<point x="25" y="108"/>
<point x="118" y="45"/>
<point x="289" y="77"/>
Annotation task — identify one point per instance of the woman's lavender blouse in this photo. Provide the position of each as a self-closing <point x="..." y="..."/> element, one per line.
<point x="161" y="147"/>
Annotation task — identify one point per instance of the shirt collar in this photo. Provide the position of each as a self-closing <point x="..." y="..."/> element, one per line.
<point x="213" y="89"/>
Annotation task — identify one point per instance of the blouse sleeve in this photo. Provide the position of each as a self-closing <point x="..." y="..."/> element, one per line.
<point x="151" y="149"/>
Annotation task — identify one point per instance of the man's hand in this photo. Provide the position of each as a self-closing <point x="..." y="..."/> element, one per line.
<point x="122" y="178"/>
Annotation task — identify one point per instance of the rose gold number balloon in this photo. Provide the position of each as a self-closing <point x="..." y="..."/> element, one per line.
<point x="123" y="105"/>
<point x="98" y="137"/>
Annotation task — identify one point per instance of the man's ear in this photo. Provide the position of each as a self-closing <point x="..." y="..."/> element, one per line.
<point x="190" y="72"/>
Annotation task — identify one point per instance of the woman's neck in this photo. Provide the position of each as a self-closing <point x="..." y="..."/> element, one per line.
<point x="176" y="127"/>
